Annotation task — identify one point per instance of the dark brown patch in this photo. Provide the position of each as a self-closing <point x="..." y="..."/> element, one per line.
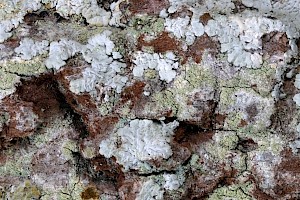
<point x="200" y="185"/>
<point x="201" y="44"/>
<point x="247" y="144"/>
<point x="43" y="92"/>
<point x="31" y="18"/>
<point x="90" y="193"/>
<point x="205" y="18"/>
<point x="204" y="117"/>
<point x="191" y="136"/>
<point x="12" y="42"/>
<point x="252" y="112"/>
<point x="219" y="120"/>
<point x="161" y="44"/>
<point x="133" y="98"/>
<point x="243" y="123"/>
<point x="238" y="7"/>
<point x="147" y="6"/>
<point x="132" y="93"/>
<point x="290" y="163"/>
<point x="182" y="12"/>
<point x="275" y="43"/>
<point x="108" y="168"/>
<point x="260" y="195"/>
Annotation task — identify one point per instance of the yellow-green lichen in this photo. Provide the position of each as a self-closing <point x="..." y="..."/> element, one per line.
<point x="147" y="24"/>
<point x="18" y="164"/>
<point x="175" y="99"/>
<point x="150" y="74"/>
<point x="165" y="100"/>
<point x="88" y="152"/>
<point x="198" y="76"/>
<point x="226" y="98"/>
<point x="25" y="191"/>
<point x="7" y="80"/>
<point x="270" y="142"/>
<point x="68" y="148"/>
<point x="233" y="192"/>
<point x="261" y="79"/>
<point x="228" y="140"/>
<point x="72" y="191"/>
<point x="24" y="67"/>
<point x="194" y="162"/>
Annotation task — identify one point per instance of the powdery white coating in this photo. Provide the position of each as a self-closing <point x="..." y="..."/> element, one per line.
<point x="295" y="146"/>
<point x="185" y="28"/>
<point x="264" y="163"/>
<point x="240" y="36"/>
<point x="140" y="141"/>
<point x="60" y="52"/>
<point x="105" y="66"/>
<point x="172" y="181"/>
<point x="150" y="191"/>
<point x="296" y="98"/>
<point x="297" y="81"/>
<point x="26" y="119"/>
<point x="29" y="48"/>
<point x="164" y="64"/>
<point x="263" y="107"/>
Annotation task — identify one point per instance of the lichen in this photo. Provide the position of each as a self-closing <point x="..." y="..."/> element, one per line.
<point x="26" y="191"/>
<point x="22" y="67"/>
<point x="234" y="192"/>
<point x="138" y="144"/>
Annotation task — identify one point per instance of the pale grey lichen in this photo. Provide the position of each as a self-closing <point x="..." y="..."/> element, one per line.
<point x="29" y="48"/>
<point x="150" y="191"/>
<point x="88" y="8"/>
<point x="12" y="14"/>
<point x="141" y="140"/>
<point x="164" y="64"/>
<point x="106" y="66"/>
<point x="173" y="181"/>
<point x="296" y="97"/>
<point x="241" y="34"/>
<point x="185" y="28"/>
<point x="60" y="51"/>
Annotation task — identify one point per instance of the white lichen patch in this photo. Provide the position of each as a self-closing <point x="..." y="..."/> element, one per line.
<point x="60" y="51"/>
<point x="296" y="97"/>
<point x="166" y="65"/>
<point x="264" y="163"/>
<point x="185" y="28"/>
<point x="12" y="14"/>
<point x="29" y="48"/>
<point x="139" y="141"/>
<point x="106" y="66"/>
<point x="240" y="36"/>
<point x="150" y="191"/>
<point x="173" y="181"/>
<point x="88" y="8"/>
